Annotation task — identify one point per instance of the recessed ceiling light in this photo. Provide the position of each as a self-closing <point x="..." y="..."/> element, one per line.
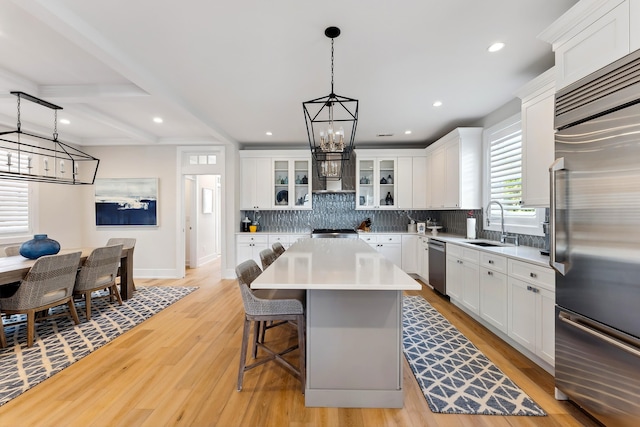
<point x="437" y="103"/>
<point x="65" y="121"/>
<point x="407" y="132"/>
<point x="496" y="47"/>
<point x="158" y="119"/>
<point x="268" y="133"/>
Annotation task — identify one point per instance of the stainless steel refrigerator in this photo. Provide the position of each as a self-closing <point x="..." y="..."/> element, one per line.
<point x="595" y="242"/>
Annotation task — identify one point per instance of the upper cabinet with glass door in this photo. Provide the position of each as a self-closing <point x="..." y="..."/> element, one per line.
<point x="376" y="182"/>
<point x="292" y="183"/>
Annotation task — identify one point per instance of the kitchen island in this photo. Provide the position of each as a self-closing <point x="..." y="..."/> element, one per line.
<point x="354" y="320"/>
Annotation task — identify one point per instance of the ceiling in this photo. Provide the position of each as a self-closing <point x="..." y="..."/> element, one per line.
<point x="229" y="71"/>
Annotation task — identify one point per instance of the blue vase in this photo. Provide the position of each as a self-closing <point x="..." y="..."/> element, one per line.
<point x="39" y="246"/>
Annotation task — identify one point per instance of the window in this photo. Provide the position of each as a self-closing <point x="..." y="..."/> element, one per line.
<point x="503" y="151"/>
<point x="14" y="208"/>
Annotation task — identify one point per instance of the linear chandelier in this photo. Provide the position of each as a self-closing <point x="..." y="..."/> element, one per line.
<point x="26" y="156"/>
<point x="331" y="126"/>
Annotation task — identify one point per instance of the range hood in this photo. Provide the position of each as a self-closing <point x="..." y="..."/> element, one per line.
<point x="345" y="185"/>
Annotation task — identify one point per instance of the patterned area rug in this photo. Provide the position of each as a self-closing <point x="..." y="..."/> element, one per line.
<point x="59" y="342"/>
<point x="455" y="377"/>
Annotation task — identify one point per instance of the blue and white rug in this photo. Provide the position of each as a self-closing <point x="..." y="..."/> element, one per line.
<point x="455" y="377"/>
<point x="59" y="343"/>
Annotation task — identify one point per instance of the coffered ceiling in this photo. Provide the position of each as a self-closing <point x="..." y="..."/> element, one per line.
<point x="230" y="71"/>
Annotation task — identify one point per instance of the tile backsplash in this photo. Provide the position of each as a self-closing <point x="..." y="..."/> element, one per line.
<point x="337" y="210"/>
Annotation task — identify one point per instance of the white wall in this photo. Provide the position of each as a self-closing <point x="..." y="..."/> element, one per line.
<point x="155" y="254"/>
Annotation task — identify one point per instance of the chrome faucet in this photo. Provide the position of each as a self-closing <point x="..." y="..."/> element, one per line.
<point x="503" y="235"/>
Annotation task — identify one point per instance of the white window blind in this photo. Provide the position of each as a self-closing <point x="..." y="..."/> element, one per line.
<point x="14" y="207"/>
<point x="505" y="171"/>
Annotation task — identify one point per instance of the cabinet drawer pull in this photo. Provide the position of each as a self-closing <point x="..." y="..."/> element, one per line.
<point x="490" y="273"/>
<point x="533" y="275"/>
<point x="490" y="261"/>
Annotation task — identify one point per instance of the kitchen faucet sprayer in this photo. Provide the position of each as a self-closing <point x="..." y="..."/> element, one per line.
<point x="503" y="235"/>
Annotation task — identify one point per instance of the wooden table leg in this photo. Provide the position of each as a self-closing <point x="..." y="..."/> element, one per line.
<point x="126" y="275"/>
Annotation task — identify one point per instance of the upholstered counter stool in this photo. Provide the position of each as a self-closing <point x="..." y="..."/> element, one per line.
<point x="265" y="305"/>
<point x="278" y="248"/>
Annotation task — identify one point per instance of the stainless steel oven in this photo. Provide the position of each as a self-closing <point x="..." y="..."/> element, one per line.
<point x="438" y="265"/>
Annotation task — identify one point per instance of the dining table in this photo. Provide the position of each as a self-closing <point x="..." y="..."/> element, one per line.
<point x="15" y="268"/>
<point x="354" y="298"/>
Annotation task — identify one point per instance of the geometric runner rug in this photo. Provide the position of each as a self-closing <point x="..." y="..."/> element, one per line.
<point x="455" y="377"/>
<point x="59" y="343"/>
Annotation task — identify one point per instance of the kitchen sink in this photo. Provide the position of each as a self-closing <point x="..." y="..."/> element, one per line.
<point x="485" y="244"/>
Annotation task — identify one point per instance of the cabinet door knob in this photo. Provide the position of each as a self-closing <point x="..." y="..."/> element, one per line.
<point x="534" y="275"/>
<point x="490" y="273"/>
<point x="529" y="288"/>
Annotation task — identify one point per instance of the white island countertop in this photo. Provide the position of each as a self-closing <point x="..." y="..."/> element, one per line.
<point x="334" y="264"/>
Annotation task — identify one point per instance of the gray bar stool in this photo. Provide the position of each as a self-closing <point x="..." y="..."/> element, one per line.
<point x="265" y="305"/>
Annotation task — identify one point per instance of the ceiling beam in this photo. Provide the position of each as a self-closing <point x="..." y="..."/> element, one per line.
<point x="64" y="21"/>
<point x="83" y="93"/>
<point x="91" y="113"/>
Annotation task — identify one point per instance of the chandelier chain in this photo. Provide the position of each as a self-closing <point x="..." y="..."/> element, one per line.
<point x="331" y="66"/>
<point x="55" y="125"/>
<point x="19" y="124"/>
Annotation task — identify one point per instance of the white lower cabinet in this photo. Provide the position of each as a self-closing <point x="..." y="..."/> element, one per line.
<point x="531" y="309"/>
<point x="493" y="290"/>
<point x="515" y="298"/>
<point x="248" y="246"/>
<point x="463" y="280"/>
<point x="389" y="245"/>
<point x="411" y="253"/>
<point x="424" y="258"/>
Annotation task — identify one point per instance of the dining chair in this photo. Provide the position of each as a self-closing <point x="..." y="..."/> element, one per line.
<point x="126" y="242"/>
<point x="267" y="257"/>
<point x="12" y="250"/>
<point x="99" y="272"/>
<point x="48" y="283"/>
<point x="266" y="305"/>
<point x="278" y="248"/>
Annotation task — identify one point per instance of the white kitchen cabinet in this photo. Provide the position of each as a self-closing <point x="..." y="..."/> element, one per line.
<point x="455" y="170"/>
<point x="411" y="253"/>
<point x="292" y="183"/>
<point x="255" y="183"/>
<point x="538" y="138"/>
<point x="268" y="179"/>
<point x="463" y="279"/>
<point x="376" y="182"/>
<point x="389" y="245"/>
<point x="249" y="245"/>
<point x="531" y="312"/>
<point x="437" y="178"/>
<point x="411" y="181"/>
<point x="592" y="34"/>
<point x="493" y="290"/>
<point x="424" y="259"/>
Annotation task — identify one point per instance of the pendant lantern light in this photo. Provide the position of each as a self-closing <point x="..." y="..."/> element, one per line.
<point x="331" y="126"/>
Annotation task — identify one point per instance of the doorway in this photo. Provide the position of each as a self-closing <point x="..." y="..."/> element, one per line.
<point x="202" y="219"/>
<point x="200" y="184"/>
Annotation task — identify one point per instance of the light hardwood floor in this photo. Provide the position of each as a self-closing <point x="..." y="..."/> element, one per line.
<point x="179" y="368"/>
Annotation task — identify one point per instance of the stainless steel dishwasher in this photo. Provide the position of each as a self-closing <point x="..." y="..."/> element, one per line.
<point x="438" y="265"/>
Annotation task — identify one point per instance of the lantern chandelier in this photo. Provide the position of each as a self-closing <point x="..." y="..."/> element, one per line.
<point x="28" y="157"/>
<point x="331" y="126"/>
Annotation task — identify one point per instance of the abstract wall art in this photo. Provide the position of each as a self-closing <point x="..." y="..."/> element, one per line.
<point x="126" y="201"/>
